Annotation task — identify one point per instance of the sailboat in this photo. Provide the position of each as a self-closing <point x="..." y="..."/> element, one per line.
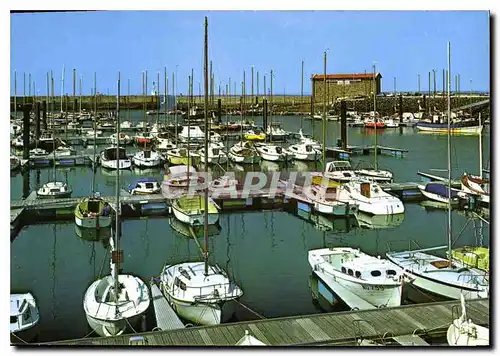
<point x="375" y="174"/>
<point x="93" y="212"/>
<point x="463" y="332"/>
<point x="439" y="277"/>
<point x="54" y="189"/>
<point x="116" y="302"/>
<point x="24" y="317"/>
<point x="200" y="292"/>
<point x="477" y="185"/>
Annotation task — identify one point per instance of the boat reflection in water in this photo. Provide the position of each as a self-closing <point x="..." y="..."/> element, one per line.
<point x="367" y="221"/>
<point x="323" y="222"/>
<point x="102" y="234"/>
<point x="193" y="231"/>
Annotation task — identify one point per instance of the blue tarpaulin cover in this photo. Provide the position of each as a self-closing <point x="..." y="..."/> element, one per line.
<point x="440" y="189"/>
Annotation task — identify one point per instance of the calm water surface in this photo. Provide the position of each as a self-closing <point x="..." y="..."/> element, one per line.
<point x="265" y="252"/>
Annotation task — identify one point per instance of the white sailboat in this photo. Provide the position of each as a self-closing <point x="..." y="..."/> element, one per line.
<point x="463" y="332"/>
<point x="244" y="152"/>
<point x="372" y="279"/>
<point x="110" y="160"/>
<point x="24" y="317"/>
<point x="115" y="302"/>
<point x="326" y="200"/>
<point x="339" y="171"/>
<point x="215" y="155"/>
<point x="200" y="292"/>
<point x="437" y="276"/>
<point x="147" y="158"/>
<point x="54" y="189"/>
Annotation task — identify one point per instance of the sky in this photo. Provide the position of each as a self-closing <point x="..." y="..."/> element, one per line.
<point x="402" y="45"/>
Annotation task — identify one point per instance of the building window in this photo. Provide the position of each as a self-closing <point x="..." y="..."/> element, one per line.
<point x="347" y="82"/>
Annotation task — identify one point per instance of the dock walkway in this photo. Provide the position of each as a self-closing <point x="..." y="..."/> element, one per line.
<point x="312" y="330"/>
<point x="166" y="319"/>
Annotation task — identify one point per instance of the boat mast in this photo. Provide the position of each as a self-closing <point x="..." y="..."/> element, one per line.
<point x="62" y="89"/>
<point x="53" y="136"/>
<point x="205" y="69"/>
<point x="189" y="132"/>
<point x="375" y="114"/>
<point x="301" y="90"/>
<point x="449" y="155"/>
<point x="95" y="128"/>
<point x="118" y="210"/>
<point x="175" y="110"/>
<point x="324" y="110"/>
<point x="480" y="149"/>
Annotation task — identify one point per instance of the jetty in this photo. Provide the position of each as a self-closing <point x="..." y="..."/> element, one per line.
<point x="425" y="321"/>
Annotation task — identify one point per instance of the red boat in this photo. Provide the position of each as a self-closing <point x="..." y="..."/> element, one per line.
<point x="144" y="138"/>
<point x="371" y="124"/>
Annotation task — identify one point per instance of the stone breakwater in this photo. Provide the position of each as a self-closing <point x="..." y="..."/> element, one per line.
<point x="289" y="104"/>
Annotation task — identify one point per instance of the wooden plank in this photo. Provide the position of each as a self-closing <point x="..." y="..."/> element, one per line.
<point x="258" y="334"/>
<point x="286" y="332"/>
<point x="315" y="331"/>
<point x="305" y="337"/>
<point x="219" y="337"/>
<point x="205" y="337"/>
<point x="275" y="332"/>
<point x="410" y="340"/>
<point x="231" y="334"/>
<point x="269" y="335"/>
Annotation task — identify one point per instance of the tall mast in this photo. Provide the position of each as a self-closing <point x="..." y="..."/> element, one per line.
<point x="324" y="110"/>
<point x="205" y="69"/>
<point x="62" y="89"/>
<point x="449" y="156"/>
<point x="175" y="109"/>
<point x="95" y="128"/>
<point x="15" y="94"/>
<point x="118" y="208"/>
<point x="53" y="136"/>
<point x="375" y="114"/>
<point x="480" y="149"/>
<point x="301" y="90"/>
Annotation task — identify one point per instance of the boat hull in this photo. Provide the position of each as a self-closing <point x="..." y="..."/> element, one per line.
<point x="376" y="295"/>
<point x="123" y="164"/>
<point x="244" y="159"/>
<point x="454" y="129"/>
<point x="218" y="159"/>
<point x="113" y="327"/>
<point x="195" y="219"/>
<point x="93" y="222"/>
<point x="53" y="195"/>
<point x="146" y="163"/>
<point x="307" y="156"/>
<point x="26" y="335"/>
<point x="340" y="209"/>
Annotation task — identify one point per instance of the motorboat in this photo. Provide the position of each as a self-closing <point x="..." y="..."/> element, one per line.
<point x="215" y="155"/>
<point x="191" y="210"/>
<point x="309" y="141"/>
<point x="370" y="198"/>
<point x="108" y="159"/>
<point x="391" y="123"/>
<point x="376" y="281"/>
<point x="54" y="190"/>
<point x="244" y="152"/>
<point x="142" y="125"/>
<point x="326" y="200"/>
<point x="339" y="171"/>
<point x="372" y="123"/>
<point x="146" y="158"/>
<point x="304" y="152"/>
<point x="64" y="151"/>
<point x="126" y="124"/>
<point x="276" y="133"/>
<point x="376" y="175"/>
<point x="164" y="144"/>
<point x="92" y="133"/>
<point x="193" y="133"/>
<point x="273" y="153"/>
<point x="144" y="138"/>
<point x="254" y="135"/>
<point x="124" y="139"/>
<point x="37" y="152"/>
<point x="24" y="318"/>
<point x="199" y="297"/>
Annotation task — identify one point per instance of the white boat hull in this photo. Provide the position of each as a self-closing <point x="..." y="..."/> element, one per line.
<point x="340" y="209"/>
<point x="113" y="327"/>
<point x="217" y="159"/>
<point x="458" y="335"/>
<point x="243" y="159"/>
<point x="123" y="164"/>
<point x="379" y="208"/>
<point x="146" y="162"/>
<point x="476" y="130"/>
<point x="203" y="314"/>
<point x="195" y="219"/>
<point x="93" y="222"/>
<point x="313" y="156"/>
<point x="376" y="295"/>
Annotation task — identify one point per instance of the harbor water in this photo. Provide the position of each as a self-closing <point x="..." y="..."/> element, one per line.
<point x="264" y="252"/>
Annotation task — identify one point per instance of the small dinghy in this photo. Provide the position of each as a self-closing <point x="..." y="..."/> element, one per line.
<point x="144" y="186"/>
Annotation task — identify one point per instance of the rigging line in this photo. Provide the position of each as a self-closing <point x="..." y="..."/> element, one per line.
<point x="462" y="230"/>
<point x="17" y="337"/>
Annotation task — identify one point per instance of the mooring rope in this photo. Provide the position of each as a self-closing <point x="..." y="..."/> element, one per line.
<point x="17" y="337"/>
<point x="252" y="311"/>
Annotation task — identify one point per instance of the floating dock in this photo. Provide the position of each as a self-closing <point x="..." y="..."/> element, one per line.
<point x="166" y="318"/>
<point x="429" y="320"/>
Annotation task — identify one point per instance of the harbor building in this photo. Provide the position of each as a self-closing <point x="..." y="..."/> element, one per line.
<point x="344" y="85"/>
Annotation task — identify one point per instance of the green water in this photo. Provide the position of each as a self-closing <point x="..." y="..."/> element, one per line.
<point x="265" y="252"/>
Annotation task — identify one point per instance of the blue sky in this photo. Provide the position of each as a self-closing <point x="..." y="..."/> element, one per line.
<point x="402" y="43"/>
